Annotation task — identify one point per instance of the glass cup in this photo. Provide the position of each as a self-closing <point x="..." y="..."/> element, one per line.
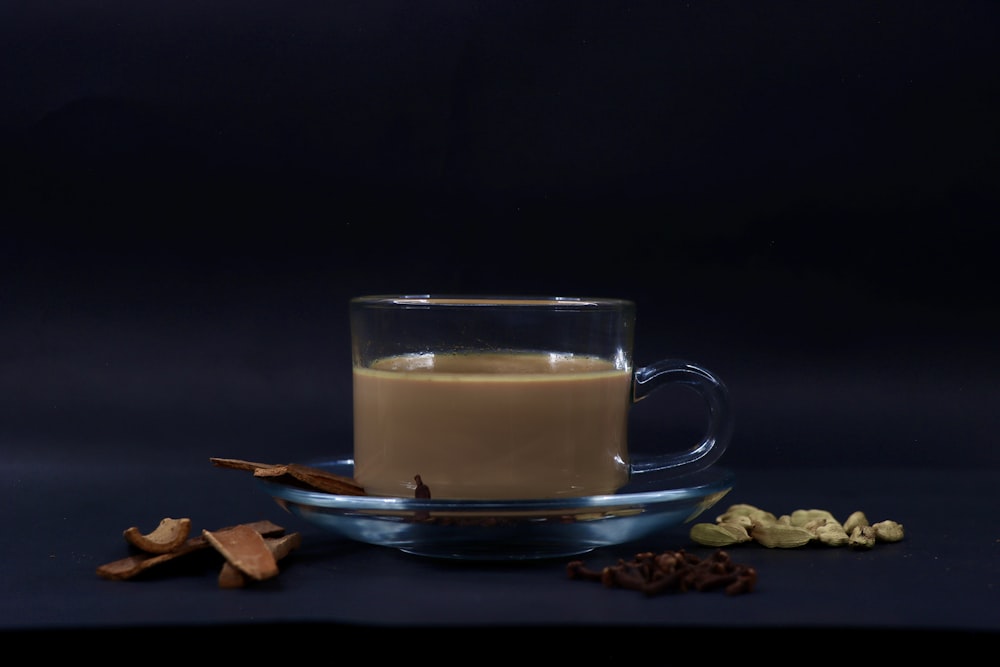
<point x="509" y="397"/>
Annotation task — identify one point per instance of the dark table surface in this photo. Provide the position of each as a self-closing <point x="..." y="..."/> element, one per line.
<point x="65" y="516"/>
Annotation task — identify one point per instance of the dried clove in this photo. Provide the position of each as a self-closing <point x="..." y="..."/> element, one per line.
<point x="671" y="571"/>
<point x="422" y="492"/>
<point x="578" y="570"/>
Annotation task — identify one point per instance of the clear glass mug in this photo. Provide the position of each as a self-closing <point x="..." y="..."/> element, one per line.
<point x="509" y="397"/>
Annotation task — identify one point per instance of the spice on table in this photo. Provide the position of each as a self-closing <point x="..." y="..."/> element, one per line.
<point x="166" y="537"/>
<point x="745" y="523"/>
<point x="671" y="572"/>
<point x="242" y="547"/>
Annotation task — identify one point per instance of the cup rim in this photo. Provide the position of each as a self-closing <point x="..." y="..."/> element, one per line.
<point x="488" y="301"/>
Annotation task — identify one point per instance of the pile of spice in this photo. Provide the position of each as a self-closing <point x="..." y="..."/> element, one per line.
<point x="743" y="523"/>
<point x="249" y="551"/>
<point x="671" y="572"/>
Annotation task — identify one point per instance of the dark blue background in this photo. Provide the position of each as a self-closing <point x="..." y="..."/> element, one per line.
<point x="800" y="196"/>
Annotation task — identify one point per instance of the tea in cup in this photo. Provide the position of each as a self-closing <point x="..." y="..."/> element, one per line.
<point x="509" y="397"/>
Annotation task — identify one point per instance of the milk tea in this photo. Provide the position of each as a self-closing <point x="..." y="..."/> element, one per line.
<point x="491" y="425"/>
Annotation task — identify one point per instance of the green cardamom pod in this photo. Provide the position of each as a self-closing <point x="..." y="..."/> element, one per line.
<point x="781" y="535"/>
<point x="802" y="517"/>
<point x="718" y="534"/>
<point x="888" y="531"/>
<point x="862" y="537"/>
<point x="855" y="520"/>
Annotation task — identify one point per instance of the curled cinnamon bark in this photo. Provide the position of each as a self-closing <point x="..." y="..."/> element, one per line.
<point x="295" y="474"/>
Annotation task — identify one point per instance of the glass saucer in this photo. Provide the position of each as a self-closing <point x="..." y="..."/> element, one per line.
<point x="506" y="529"/>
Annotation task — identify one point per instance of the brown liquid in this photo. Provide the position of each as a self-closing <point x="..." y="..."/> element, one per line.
<point x="491" y="425"/>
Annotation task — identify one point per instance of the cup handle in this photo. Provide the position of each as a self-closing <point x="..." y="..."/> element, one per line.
<point x="649" y="378"/>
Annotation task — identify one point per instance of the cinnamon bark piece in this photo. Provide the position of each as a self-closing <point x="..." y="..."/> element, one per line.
<point x="312" y="479"/>
<point x="230" y="577"/>
<point x="131" y="566"/>
<point x="296" y="474"/>
<point x="244" y="549"/>
<point x="240" y="464"/>
<point x="324" y="480"/>
<point x="284" y="545"/>
<point x="167" y="536"/>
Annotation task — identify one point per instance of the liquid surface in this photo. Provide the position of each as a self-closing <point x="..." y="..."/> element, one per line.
<point x="496" y="425"/>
